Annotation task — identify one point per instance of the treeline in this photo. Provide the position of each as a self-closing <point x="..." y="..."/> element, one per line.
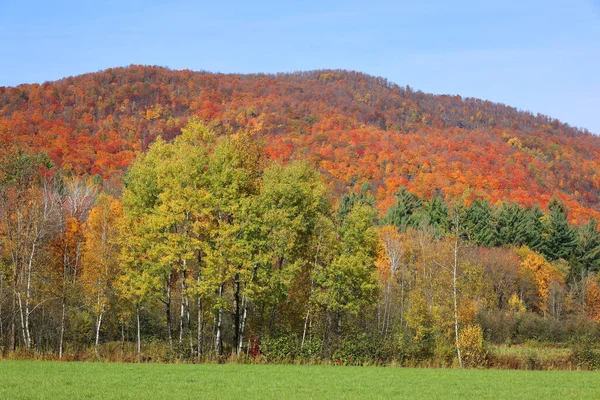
<point x="212" y="251"/>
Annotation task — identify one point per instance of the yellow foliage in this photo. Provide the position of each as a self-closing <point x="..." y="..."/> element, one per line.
<point x="542" y="271"/>
<point x="470" y="341"/>
<point x="467" y="312"/>
<point x="515" y="304"/>
<point x="515" y="142"/>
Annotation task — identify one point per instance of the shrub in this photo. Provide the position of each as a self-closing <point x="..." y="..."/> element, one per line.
<point x="583" y="353"/>
<point x="473" y="351"/>
<point x="282" y="348"/>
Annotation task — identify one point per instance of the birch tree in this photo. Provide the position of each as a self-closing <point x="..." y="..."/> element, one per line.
<point x="101" y="258"/>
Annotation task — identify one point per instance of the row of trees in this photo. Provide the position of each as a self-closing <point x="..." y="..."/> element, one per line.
<point x="211" y="250"/>
<point x="503" y="225"/>
<point x="204" y="228"/>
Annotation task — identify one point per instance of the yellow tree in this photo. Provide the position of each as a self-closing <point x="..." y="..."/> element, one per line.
<point x="544" y="274"/>
<point x="101" y="256"/>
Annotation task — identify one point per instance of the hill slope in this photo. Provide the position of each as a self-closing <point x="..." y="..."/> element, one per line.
<point x="356" y="128"/>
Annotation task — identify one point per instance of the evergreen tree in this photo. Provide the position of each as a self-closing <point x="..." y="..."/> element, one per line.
<point x="435" y="213"/>
<point x="586" y="257"/>
<point x="479" y="224"/>
<point x="535" y="228"/>
<point x="511" y="225"/>
<point x="350" y="199"/>
<point x="562" y="239"/>
<point x="405" y="213"/>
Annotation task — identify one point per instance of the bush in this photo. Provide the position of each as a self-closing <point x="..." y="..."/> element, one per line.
<point x="311" y="349"/>
<point x="356" y="350"/>
<point x="282" y="348"/>
<point x="473" y="351"/>
<point x="409" y="349"/>
<point x="583" y="353"/>
<point x="499" y="327"/>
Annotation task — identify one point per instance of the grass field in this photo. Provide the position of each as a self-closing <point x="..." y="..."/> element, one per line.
<point x="56" y="380"/>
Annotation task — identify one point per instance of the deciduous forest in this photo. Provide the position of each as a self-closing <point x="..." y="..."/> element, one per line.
<point x="328" y="216"/>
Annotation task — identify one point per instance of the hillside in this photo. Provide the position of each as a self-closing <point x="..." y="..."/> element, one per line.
<point x="356" y="128"/>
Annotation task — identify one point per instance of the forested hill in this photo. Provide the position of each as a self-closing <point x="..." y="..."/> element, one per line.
<point x="356" y="128"/>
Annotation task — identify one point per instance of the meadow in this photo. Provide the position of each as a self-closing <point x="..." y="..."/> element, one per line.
<point x="76" y="380"/>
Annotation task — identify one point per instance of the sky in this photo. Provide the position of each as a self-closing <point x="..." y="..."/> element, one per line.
<point x="540" y="56"/>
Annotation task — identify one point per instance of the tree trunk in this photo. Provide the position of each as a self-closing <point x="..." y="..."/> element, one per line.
<point x="312" y="284"/>
<point x="13" y="326"/>
<point x="168" y="312"/>
<point x="28" y="297"/>
<point x="98" y="325"/>
<point x="139" y="336"/>
<point x="236" y="315"/>
<point x="305" y="327"/>
<point x="182" y="311"/>
<point x="402" y="301"/>
<point x="454" y="276"/>
<point x="240" y="343"/>
<point x="62" y="326"/>
<point x="200" y="328"/>
<point x="21" y="313"/>
<point x="122" y="338"/>
<point x="200" y="312"/>
<point x="218" y="338"/>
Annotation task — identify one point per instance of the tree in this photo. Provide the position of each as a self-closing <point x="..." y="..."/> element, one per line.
<point x="543" y="273"/>
<point x="74" y="198"/>
<point x="592" y="298"/>
<point x="536" y="229"/>
<point x="166" y="202"/>
<point x="404" y="213"/>
<point x="349" y="284"/>
<point x="479" y="223"/>
<point x="393" y="248"/>
<point x="101" y="257"/>
<point x="511" y="225"/>
<point x="26" y="210"/>
<point x="586" y="256"/>
<point x="562" y="238"/>
<point x="233" y="175"/>
<point x="435" y="212"/>
<point x="349" y="200"/>
<point x="454" y="242"/>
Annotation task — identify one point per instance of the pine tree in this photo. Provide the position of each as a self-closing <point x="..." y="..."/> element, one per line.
<point x="586" y="257"/>
<point x="350" y="200"/>
<point x="479" y="223"/>
<point x="435" y="213"/>
<point x="562" y="239"/>
<point x="535" y="228"/>
<point x="511" y="225"/>
<point x="405" y="213"/>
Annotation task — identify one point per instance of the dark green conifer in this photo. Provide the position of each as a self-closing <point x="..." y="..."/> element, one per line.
<point x="405" y="213"/>
<point x="562" y="238"/>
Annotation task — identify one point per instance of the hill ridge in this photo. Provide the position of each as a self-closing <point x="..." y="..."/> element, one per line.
<point x="355" y="127"/>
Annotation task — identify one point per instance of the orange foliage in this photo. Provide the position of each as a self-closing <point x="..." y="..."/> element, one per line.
<point x="592" y="299"/>
<point x="354" y="127"/>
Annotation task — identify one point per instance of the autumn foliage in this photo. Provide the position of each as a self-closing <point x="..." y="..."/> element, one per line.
<point x="354" y="127"/>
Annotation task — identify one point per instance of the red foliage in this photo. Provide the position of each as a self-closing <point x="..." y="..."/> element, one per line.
<point x="355" y="127"/>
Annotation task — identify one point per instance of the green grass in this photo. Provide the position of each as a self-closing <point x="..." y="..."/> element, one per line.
<point x="56" y="380"/>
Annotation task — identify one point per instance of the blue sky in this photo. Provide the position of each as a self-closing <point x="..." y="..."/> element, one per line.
<point x="542" y="56"/>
